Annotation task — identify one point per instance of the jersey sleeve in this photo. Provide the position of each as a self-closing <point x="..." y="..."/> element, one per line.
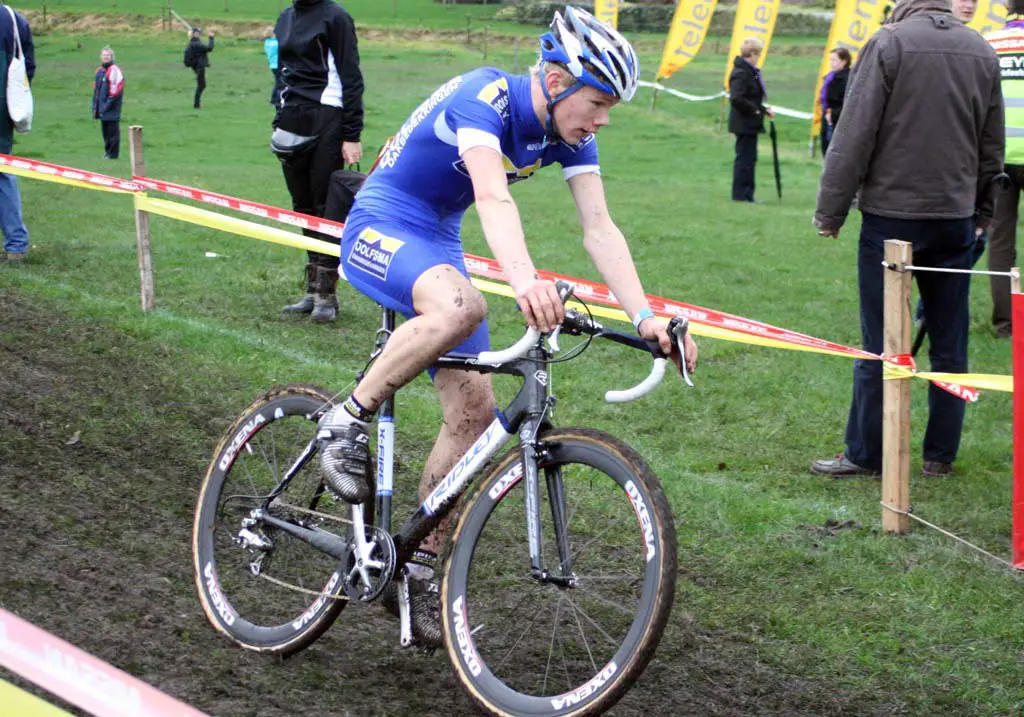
<point x="581" y="159"/>
<point x="478" y="115"/>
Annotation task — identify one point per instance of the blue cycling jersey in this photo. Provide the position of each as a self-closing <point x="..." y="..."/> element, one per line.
<point x="421" y="173"/>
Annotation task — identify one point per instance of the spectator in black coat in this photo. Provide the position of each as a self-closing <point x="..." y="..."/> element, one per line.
<point x="746" y="116"/>
<point x="198" y="54"/>
<point x="833" y="89"/>
<point x="321" y="102"/>
<point x="107" y="98"/>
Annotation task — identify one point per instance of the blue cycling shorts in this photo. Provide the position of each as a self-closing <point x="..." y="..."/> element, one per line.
<point x="383" y="258"/>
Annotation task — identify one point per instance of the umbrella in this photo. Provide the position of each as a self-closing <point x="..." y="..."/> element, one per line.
<point x="775" y="156"/>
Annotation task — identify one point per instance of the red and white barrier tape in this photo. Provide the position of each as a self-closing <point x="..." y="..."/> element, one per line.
<point x="303" y="221"/>
<point x="79" y="678"/>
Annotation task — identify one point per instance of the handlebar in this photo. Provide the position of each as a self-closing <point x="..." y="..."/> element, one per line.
<point x="576" y="324"/>
<point x="516" y="350"/>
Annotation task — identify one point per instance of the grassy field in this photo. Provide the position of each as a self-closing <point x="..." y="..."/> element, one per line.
<point x="913" y="625"/>
<point x="406" y="13"/>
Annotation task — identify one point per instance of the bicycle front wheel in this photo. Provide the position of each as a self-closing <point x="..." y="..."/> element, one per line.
<point x="573" y="641"/>
<point x="261" y="586"/>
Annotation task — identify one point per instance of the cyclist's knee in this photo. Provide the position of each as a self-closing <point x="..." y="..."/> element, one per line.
<point x="470" y="309"/>
<point x="450" y="297"/>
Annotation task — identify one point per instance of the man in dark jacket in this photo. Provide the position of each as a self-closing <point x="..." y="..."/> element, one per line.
<point x="11" y="222"/>
<point x="923" y="164"/>
<point x="199" y="61"/>
<point x="321" y="99"/>
<point x="746" y="116"/>
<point x="107" y="98"/>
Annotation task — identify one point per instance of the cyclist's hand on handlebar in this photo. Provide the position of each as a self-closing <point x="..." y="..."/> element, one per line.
<point x="541" y="305"/>
<point x="656" y="329"/>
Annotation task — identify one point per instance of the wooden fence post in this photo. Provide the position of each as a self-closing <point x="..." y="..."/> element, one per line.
<point x="142" y="225"/>
<point x="896" y="392"/>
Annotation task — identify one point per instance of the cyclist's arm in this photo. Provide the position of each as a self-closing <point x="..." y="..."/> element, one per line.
<point x="503" y="231"/>
<point x="605" y="243"/>
<point x="610" y="253"/>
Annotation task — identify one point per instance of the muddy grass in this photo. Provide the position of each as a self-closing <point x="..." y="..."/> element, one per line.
<point x="102" y="446"/>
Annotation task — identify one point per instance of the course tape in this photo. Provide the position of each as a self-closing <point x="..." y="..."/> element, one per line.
<point x="65" y="175"/>
<point x="16" y="701"/>
<point x="303" y="221"/>
<point x="704" y="322"/>
<point x="79" y="678"/>
<point x="795" y="114"/>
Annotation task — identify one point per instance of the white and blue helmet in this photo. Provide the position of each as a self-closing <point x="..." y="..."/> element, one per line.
<point x="593" y="52"/>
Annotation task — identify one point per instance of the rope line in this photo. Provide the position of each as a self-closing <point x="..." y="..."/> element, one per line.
<point x="957" y="538"/>
<point x="911" y="267"/>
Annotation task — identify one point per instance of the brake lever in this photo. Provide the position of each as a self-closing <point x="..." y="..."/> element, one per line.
<point x="677" y="328"/>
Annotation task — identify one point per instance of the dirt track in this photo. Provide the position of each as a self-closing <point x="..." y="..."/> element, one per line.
<point x="97" y="540"/>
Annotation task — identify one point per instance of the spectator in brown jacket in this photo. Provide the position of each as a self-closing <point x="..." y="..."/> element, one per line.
<point x="921" y="139"/>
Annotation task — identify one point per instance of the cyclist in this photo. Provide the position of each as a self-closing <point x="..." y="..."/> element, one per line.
<point x="473" y="137"/>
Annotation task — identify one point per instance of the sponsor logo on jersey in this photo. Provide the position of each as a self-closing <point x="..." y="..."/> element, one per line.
<point x="373" y="252"/>
<point x="512" y="173"/>
<point x="495" y="94"/>
<point x="394" y="148"/>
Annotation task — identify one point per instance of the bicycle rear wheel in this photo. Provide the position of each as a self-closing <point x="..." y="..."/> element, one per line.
<point x="572" y="645"/>
<point x="264" y="588"/>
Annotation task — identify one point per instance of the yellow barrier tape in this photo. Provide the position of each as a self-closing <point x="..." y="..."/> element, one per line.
<point x="56" y="179"/>
<point x="699" y="329"/>
<point x="15" y="702"/>
<point x="203" y="217"/>
<point x="990" y="381"/>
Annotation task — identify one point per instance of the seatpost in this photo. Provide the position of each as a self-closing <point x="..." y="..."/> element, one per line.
<point x="385" y="438"/>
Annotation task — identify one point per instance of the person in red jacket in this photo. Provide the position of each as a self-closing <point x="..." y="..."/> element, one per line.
<point x="107" y="98"/>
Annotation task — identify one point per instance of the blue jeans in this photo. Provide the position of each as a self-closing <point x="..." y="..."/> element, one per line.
<point x="15" y="233"/>
<point x="947" y="243"/>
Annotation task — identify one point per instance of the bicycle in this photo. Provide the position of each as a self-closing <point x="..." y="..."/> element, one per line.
<point x="264" y="519"/>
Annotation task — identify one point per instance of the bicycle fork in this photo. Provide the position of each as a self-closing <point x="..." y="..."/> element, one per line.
<point x="534" y="453"/>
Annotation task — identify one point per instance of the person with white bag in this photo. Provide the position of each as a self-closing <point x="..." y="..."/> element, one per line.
<point x="15" y="47"/>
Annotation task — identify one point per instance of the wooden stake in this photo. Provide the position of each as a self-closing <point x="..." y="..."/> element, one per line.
<point x="896" y="392"/>
<point x="142" y="225"/>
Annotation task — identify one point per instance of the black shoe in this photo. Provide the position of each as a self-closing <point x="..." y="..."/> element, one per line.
<point x="345" y="456"/>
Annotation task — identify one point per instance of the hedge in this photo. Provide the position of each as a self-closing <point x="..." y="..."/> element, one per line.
<point x="658" y="18"/>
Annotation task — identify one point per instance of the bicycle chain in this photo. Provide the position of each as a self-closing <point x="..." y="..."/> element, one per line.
<point x="308" y="511"/>
<point x="282" y="583"/>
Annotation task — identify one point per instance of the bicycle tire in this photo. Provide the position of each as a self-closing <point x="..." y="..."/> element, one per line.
<point x="259" y="614"/>
<point x="489" y="560"/>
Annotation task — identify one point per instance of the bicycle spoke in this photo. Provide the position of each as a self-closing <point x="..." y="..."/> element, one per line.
<point x="611" y="640"/>
<point x="584" y="636"/>
<point x="551" y="647"/>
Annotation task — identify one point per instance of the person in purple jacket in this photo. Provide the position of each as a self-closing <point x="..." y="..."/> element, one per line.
<point x="833" y="90"/>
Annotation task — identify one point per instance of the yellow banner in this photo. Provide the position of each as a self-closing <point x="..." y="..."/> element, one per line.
<point x="686" y="35"/>
<point x="754" y="18"/>
<point x="855" y="21"/>
<point x="607" y="11"/>
<point x="989" y="17"/>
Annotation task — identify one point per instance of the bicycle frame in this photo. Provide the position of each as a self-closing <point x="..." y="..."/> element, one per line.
<point x="524" y="416"/>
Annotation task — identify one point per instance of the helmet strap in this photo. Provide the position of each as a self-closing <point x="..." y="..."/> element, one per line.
<point x="549" y="124"/>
